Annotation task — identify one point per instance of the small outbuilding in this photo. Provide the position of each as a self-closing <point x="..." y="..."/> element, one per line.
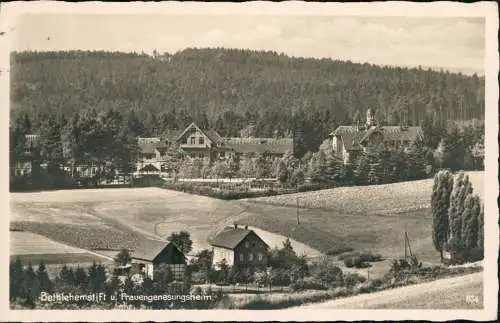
<point x="153" y="253"/>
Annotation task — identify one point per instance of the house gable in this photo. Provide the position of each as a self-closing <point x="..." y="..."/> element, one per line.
<point x="201" y="138"/>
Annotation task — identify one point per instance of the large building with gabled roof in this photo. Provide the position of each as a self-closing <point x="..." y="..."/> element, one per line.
<point x="204" y="145"/>
<point x="348" y="142"/>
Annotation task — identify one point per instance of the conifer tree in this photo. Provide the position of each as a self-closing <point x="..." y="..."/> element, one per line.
<point x="46" y="284"/>
<point x="480" y="234"/>
<point x="67" y="275"/>
<point x="30" y="286"/>
<point x="16" y="278"/>
<point x="440" y="203"/>
<point x="470" y="218"/>
<point x="461" y="188"/>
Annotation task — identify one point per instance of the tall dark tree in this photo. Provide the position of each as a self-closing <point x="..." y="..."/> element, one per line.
<point x="461" y="188"/>
<point x="440" y="203"/>
<point x="46" y="284"/>
<point x="50" y="143"/>
<point x="16" y="276"/>
<point x="470" y="218"/>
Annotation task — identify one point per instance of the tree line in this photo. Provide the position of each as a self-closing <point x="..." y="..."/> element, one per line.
<point x="226" y="89"/>
<point x="109" y="140"/>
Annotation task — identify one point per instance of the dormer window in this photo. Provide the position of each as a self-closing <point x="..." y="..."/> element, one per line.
<point x="201" y="141"/>
<point x="193" y="140"/>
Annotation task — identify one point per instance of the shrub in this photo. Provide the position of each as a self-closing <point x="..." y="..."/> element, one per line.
<point x="328" y="273"/>
<point x="308" y="283"/>
<point x="353" y="279"/>
<point x="356" y="261"/>
<point x="365" y="256"/>
<point x="280" y="277"/>
<point x="377" y="282"/>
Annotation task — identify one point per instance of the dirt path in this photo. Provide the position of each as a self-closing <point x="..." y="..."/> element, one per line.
<point x="449" y="293"/>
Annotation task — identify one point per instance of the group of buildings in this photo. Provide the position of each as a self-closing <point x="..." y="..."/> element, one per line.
<point x="236" y="246"/>
<point x="207" y="146"/>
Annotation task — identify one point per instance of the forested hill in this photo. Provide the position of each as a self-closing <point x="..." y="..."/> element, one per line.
<point x="228" y="88"/>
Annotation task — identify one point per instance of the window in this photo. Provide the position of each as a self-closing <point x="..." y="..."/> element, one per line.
<point x="260" y="256"/>
<point x="193" y="140"/>
<point x="250" y="257"/>
<point x="406" y="142"/>
<point x="201" y="141"/>
<point x="247" y="245"/>
<point x="242" y="257"/>
<point x="222" y="154"/>
<point x="200" y="155"/>
<point x="253" y="244"/>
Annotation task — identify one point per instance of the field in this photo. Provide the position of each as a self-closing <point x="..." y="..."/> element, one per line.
<point x="117" y="218"/>
<point x="388" y="199"/>
<point x="32" y="248"/>
<point x="370" y="218"/>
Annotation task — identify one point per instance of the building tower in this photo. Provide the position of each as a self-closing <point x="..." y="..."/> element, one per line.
<point x="370" y="118"/>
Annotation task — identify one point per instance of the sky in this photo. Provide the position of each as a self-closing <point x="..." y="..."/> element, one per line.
<point x="451" y="43"/>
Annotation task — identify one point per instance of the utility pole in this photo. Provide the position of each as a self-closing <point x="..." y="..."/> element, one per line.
<point x="406" y="256"/>
<point x="298" y="219"/>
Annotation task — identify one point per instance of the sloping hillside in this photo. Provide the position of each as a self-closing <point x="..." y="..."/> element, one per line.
<point x="228" y="88"/>
<point x="388" y="199"/>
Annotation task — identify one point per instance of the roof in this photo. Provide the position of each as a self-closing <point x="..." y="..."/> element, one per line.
<point x="171" y="134"/>
<point x="352" y="137"/>
<point x="150" y="249"/>
<point x="231" y="237"/>
<point x="149" y="168"/>
<point x="260" y="145"/>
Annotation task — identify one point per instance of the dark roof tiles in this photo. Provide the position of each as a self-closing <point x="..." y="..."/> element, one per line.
<point x="150" y="249"/>
<point x="231" y="237"/>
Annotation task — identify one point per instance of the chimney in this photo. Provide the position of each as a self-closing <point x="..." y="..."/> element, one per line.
<point x="236" y="226"/>
<point x="246" y="227"/>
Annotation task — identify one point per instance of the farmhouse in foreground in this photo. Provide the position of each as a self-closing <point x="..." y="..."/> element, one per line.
<point x="239" y="247"/>
<point x="153" y="253"/>
<point x="205" y="146"/>
<point x="349" y="141"/>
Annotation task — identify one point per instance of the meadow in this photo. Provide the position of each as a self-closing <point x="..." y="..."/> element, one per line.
<point x="32" y="248"/>
<point x="117" y="218"/>
<point x="365" y="218"/>
<point x="387" y="199"/>
<point x="368" y="218"/>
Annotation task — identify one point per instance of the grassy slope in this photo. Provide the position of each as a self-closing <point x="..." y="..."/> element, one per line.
<point x="388" y="199"/>
<point x="360" y="218"/>
<point x="33" y="248"/>
<point x="122" y="217"/>
<point x="115" y="218"/>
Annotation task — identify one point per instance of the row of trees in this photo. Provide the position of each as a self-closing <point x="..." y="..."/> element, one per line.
<point x="109" y="140"/>
<point x="458" y="217"/>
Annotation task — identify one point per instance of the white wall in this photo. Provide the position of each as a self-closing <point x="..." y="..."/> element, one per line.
<point x="222" y="253"/>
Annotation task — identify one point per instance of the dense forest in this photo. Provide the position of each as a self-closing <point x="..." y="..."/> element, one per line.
<point x="227" y="89"/>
